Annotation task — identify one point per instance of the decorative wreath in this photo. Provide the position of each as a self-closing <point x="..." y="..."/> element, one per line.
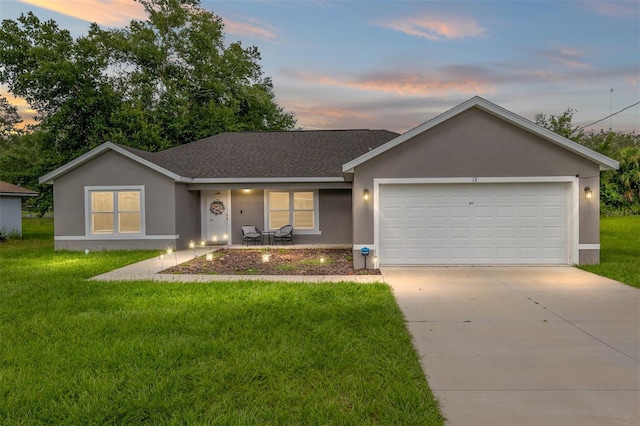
<point x="217" y="207"/>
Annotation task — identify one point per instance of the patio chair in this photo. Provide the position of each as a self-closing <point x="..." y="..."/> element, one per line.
<point x="251" y="234"/>
<point x="283" y="234"/>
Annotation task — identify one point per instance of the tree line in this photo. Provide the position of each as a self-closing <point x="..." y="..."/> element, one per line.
<point x="172" y="79"/>
<point x="619" y="189"/>
<point x="156" y="83"/>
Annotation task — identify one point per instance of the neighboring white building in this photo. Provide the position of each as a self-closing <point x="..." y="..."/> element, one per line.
<point x="11" y="207"/>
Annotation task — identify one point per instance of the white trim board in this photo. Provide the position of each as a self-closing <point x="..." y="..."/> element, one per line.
<point x="114" y="237"/>
<point x="588" y="246"/>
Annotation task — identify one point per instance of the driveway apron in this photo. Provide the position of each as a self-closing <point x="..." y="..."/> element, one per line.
<point x="524" y="345"/>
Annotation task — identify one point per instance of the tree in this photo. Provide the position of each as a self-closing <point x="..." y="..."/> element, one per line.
<point x="176" y="66"/>
<point x="9" y="120"/>
<point x="619" y="189"/>
<point x="560" y="124"/>
<point x="157" y="83"/>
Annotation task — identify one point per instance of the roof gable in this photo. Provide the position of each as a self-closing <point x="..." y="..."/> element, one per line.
<point x="143" y="157"/>
<point x="604" y="162"/>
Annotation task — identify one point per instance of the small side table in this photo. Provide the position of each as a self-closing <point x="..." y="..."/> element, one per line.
<point x="269" y="235"/>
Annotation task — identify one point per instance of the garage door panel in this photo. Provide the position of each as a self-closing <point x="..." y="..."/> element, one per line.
<point x="460" y="212"/>
<point x="505" y="212"/>
<point x="473" y="223"/>
<point x="553" y="212"/>
<point x="486" y="233"/>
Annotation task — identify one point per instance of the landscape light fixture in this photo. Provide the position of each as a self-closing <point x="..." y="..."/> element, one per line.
<point x="588" y="193"/>
<point x="265" y="257"/>
<point x="209" y="257"/>
<point x="366" y="194"/>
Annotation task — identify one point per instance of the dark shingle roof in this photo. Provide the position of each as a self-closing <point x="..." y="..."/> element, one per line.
<point x="7" y="188"/>
<point x="285" y="154"/>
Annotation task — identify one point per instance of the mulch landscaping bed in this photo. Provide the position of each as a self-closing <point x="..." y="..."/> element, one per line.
<point x="281" y="262"/>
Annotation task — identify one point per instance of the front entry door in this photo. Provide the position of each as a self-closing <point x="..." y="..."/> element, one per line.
<point x="217" y="217"/>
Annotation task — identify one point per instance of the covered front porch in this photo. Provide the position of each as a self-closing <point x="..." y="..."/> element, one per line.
<point x="320" y="216"/>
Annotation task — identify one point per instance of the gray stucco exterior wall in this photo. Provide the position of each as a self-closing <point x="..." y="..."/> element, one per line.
<point x="334" y="213"/>
<point x="471" y="144"/>
<point x="187" y="209"/>
<point x="112" y="169"/>
<point x="247" y="209"/>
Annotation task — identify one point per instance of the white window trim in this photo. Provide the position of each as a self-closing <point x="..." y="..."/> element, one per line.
<point x="115" y="236"/>
<point x="316" y="209"/>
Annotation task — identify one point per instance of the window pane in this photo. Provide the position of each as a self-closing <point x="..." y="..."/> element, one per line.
<point x="102" y="201"/>
<point x="129" y="223"/>
<point x="303" y="200"/>
<point x="102" y="223"/>
<point x="278" y="219"/>
<point x="279" y="201"/>
<point x="129" y="201"/>
<point x="303" y="219"/>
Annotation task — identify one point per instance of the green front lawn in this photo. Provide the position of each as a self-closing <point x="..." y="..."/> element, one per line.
<point x="82" y="352"/>
<point x="619" y="250"/>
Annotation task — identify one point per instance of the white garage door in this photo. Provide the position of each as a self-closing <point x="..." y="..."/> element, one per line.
<point x="480" y="223"/>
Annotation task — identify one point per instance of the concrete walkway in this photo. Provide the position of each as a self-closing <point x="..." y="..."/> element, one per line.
<point x="525" y="345"/>
<point x="149" y="270"/>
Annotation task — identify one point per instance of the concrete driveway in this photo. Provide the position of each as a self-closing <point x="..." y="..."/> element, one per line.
<point x="524" y="345"/>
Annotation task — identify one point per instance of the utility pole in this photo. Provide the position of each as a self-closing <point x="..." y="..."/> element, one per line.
<point x="610" y="109"/>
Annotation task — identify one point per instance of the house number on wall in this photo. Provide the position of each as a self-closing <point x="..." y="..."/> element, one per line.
<point x="474" y="179"/>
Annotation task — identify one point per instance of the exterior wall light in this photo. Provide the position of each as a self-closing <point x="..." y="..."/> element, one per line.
<point x="588" y="193"/>
<point x="366" y="194"/>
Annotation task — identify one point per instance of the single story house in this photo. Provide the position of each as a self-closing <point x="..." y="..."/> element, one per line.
<point x="11" y="207"/>
<point x="474" y="185"/>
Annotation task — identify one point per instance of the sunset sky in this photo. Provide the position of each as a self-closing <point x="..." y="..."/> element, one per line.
<point x="396" y="64"/>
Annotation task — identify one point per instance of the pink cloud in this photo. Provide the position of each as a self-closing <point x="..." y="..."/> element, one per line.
<point x="433" y="27"/>
<point x="323" y="116"/>
<point x="614" y="9"/>
<point x="252" y="28"/>
<point x="453" y="79"/>
<point x="116" y="13"/>
<point x="567" y="56"/>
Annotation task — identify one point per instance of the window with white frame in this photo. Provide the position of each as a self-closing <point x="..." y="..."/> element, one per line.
<point x="298" y="208"/>
<point x="114" y="211"/>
